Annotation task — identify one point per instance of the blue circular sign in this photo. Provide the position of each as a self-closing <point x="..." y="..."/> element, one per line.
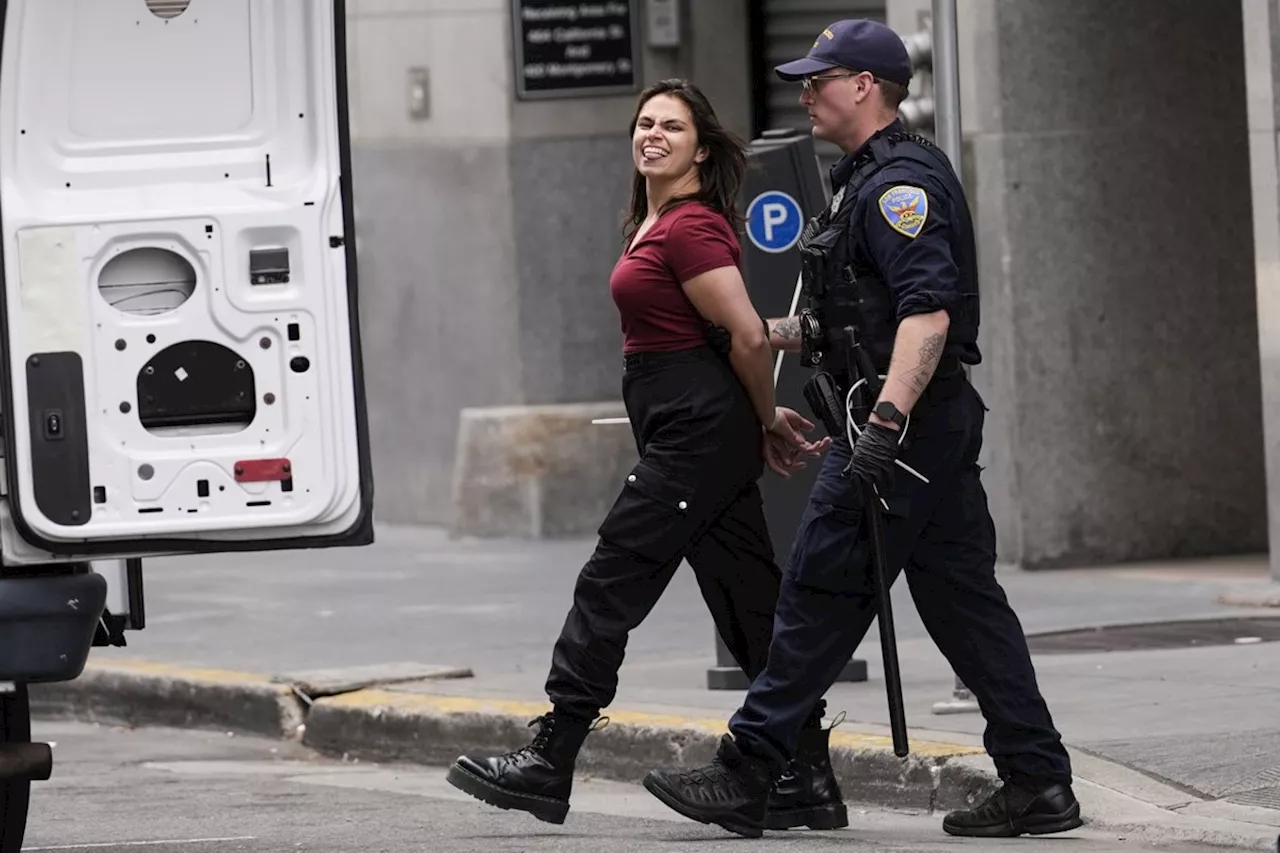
<point x="774" y="221"/>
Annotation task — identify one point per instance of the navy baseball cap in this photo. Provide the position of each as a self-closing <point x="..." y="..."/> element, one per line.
<point x="858" y="45"/>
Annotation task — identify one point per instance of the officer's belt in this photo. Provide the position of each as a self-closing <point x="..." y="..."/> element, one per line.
<point x="649" y="359"/>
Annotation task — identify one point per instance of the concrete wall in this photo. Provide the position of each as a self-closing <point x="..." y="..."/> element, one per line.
<point x="1261" y="28"/>
<point x="487" y="231"/>
<point x="1109" y="174"/>
<point x="437" y="260"/>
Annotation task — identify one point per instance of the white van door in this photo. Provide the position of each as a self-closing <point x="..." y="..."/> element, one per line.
<point x="181" y="352"/>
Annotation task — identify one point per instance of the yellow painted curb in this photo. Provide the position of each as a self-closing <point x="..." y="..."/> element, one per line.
<point x="416" y="703"/>
<point x="200" y="675"/>
<point x="411" y="703"/>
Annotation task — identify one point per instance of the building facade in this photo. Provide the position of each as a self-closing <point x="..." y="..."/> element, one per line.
<point x="1122" y="169"/>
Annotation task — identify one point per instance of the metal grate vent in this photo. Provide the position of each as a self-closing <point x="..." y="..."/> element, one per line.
<point x="1262" y="798"/>
<point x="790" y="28"/>
<point x="1261" y="790"/>
<point x="168" y="8"/>
<point x="1193" y="633"/>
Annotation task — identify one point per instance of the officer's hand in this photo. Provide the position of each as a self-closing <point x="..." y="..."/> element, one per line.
<point x="873" y="455"/>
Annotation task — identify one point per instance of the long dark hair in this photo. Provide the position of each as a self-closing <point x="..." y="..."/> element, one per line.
<point x="719" y="175"/>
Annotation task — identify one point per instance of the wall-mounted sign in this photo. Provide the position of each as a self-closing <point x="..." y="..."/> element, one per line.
<point x="664" y="22"/>
<point x="573" y="49"/>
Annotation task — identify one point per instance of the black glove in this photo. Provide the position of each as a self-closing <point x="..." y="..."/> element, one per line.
<point x="873" y="456"/>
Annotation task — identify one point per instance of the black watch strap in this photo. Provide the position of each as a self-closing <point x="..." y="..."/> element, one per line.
<point x="888" y="411"/>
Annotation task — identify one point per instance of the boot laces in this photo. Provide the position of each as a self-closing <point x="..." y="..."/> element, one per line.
<point x="998" y="806"/>
<point x="545" y="725"/>
<point x="546" y="729"/>
<point x="714" y="773"/>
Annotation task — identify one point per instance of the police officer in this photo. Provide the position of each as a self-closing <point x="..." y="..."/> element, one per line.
<point x="894" y="256"/>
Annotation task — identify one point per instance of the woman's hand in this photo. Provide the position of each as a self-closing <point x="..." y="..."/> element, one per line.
<point x="784" y="445"/>
<point x="788" y="424"/>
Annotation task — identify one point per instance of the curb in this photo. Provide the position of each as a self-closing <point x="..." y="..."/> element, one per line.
<point x="408" y="723"/>
<point x="147" y="694"/>
<point x="392" y="725"/>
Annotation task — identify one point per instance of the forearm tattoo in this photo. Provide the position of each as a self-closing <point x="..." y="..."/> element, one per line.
<point x="787" y="329"/>
<point x="930" y="354"/>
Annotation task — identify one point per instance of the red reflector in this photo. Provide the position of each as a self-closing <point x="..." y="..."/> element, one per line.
<point x="263" y="470"/>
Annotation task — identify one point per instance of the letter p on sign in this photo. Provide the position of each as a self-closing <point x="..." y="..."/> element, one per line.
<point x="775" y="214"/>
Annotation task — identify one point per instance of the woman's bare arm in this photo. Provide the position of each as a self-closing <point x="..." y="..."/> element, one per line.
<point x="720" y="295"/>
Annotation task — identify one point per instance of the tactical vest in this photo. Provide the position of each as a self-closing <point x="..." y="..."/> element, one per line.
<point x="842" y="291"/>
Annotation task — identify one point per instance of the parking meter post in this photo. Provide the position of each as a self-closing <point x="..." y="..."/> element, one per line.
<point x="961" y="701"/>
<point x="783" y="188"/>
<point x="726" y="674"/>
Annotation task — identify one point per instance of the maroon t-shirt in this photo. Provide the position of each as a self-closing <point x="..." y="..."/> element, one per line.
<point x="646" y="282"/>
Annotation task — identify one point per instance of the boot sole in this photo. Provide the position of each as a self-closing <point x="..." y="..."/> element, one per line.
<point x="834" y="816"/>
<point x="1064" y="822"/>
<point x="543" y="808"/>
<point x="727" y="821"/>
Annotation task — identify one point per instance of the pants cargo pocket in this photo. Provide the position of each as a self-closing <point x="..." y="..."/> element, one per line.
<point x="655" y="516"/>
<point x="830" y="550"/>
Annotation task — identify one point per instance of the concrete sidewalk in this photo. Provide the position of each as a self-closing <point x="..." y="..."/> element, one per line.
<point x="1190" y="731"/>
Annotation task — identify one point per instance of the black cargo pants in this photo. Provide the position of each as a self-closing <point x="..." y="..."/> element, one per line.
<point x="942" y="535"/>
<point x="693" y="495"/>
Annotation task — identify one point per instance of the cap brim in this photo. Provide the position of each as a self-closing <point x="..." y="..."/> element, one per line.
<point x="802" y="68"/>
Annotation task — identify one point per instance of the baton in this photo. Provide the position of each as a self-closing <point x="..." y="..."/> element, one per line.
<point x="864" y="396"/>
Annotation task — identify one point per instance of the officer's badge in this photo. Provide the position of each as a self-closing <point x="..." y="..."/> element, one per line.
<point x="905" y="209"/>
<point x="837" y="198"/>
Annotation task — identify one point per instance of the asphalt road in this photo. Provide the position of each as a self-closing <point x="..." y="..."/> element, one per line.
<point x="164" y="791"/>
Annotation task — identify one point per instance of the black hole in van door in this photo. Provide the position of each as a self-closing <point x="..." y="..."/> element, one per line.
<point x="196" y="385"/>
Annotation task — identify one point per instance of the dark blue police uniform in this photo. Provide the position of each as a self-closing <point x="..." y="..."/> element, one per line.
<point x="897" y="241"/>
<point x="909" y="242"/>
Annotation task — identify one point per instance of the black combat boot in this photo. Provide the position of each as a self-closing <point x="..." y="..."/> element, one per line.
<point x="1013" y="810"/>
<point x="808" y="793"/>
<point x="732" y="791"/>
<point x="536" y="779"/>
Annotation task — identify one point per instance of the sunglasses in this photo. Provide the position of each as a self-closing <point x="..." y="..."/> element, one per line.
<point x="813" y="82"/>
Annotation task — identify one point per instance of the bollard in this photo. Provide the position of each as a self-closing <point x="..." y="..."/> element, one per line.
<point x="782" y="190"/>
<point x="727" y="675"/>
<point x="961" y="701"/>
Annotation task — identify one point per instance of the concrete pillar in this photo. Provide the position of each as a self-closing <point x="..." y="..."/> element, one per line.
<point x="1261" y="29"/>
<point x="1108" y="152"/>
<point x="488" y="229"/>
<point x="437" y="258"/>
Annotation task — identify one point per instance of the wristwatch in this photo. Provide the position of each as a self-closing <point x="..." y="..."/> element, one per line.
<point x="889" y="412"/>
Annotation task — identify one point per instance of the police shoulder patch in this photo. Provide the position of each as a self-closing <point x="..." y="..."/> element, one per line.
<point x="905" y="208"/>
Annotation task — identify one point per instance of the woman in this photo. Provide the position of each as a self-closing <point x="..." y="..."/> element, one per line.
<point x="705" y="422"/>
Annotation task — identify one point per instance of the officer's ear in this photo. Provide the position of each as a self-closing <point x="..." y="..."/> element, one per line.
<point x="863" y="84"/>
